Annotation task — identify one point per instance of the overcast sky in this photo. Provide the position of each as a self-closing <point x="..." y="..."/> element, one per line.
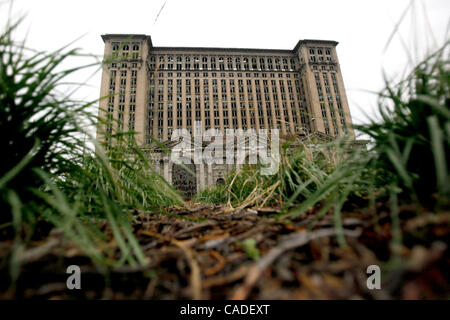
<point x="361" y="27"/>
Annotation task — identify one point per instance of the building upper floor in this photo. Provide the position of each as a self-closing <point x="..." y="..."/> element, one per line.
<point x="138" y="49"/>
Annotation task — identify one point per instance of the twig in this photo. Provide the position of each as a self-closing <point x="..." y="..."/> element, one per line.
<point x="291" y="242"/>
<point x="35" y="254"/>
<point x="196" y="281"/>
<point x="194" y="228"/>
<point x="225" y="279"/>
<point x="217" y="267"/>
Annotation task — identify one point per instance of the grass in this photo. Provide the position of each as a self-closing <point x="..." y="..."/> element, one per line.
<point x="406" y="160"/>
<point x="306" y="168"/>
<point x="50" y="176"/>
<point x="412" y="140"/>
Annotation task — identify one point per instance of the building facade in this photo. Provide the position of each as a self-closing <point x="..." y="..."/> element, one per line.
<point x="156" y="90"/>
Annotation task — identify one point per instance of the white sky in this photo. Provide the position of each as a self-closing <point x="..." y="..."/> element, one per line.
<point x="361" y="27"/>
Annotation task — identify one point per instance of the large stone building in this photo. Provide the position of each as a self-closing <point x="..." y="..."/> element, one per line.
<point x="155" y="90"/>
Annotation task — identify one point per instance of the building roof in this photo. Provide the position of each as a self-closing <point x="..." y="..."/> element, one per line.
<point x="220" y="49"/>
<point x="282" y="51"/>
<point x="315" y="41"/>
<point x="130" y="37"/>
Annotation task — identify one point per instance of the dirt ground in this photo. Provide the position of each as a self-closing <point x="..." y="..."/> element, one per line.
<point x="212" y="252"/>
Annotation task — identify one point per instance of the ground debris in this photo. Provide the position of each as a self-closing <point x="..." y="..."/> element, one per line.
<point x="206" y="252"/>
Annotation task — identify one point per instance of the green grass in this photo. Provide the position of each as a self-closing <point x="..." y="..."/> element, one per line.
<point x="216" y="194"/>
<point x="49" y="175"/>
<point x="406" y="160"/>
<point x="412" y="138"/>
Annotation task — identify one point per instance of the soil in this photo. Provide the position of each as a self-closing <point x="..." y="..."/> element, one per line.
<point x="213" y="252"/>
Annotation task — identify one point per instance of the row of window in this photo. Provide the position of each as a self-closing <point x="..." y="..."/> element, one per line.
<point x="320" y="51"/>
<point x="320" y="59"/>
<point x="221" y="63"/>
<point x="165" y="91"/>
<point x="330" y="102"/>
<point x="226" y="123"/>
<point x="225" y="97"/>
<point x="268" y="109"/>
<point x="117" y="46"/>
<point x="228" y="59"/>
<point x="233" y="105"/>
<point x="324" y="68"/>
<point x="223" y="75"/>
<point x="121" y="105"/>
<point x="225" y="84"/>
<point x="124" y="65"/>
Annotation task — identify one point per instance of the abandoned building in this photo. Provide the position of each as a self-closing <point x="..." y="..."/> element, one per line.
<point x="156" y="90"/>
